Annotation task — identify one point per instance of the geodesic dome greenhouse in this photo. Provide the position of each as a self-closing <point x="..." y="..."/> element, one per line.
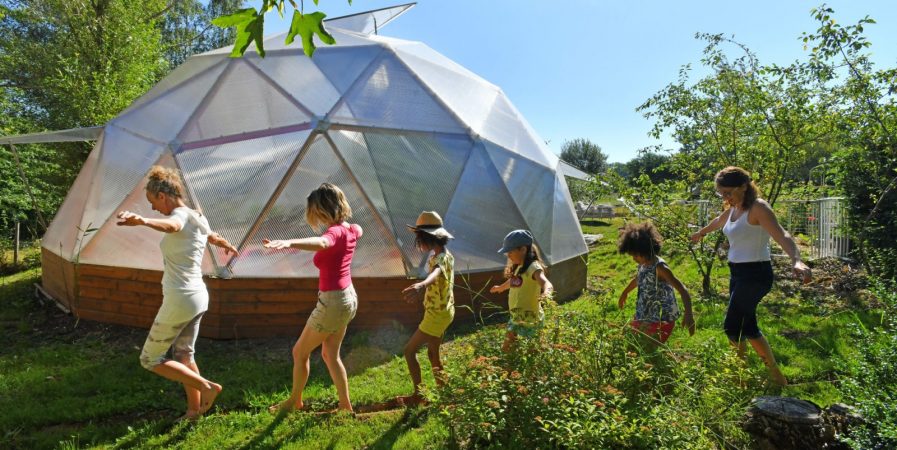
<point x="397" y="126"/>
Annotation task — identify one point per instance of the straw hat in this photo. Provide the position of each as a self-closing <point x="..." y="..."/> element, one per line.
<point x="429" y="222"/>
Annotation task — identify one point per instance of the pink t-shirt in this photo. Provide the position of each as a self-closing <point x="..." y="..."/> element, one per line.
<point x="335" y="261"/>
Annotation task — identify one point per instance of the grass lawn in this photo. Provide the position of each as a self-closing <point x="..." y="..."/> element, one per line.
<point x="70" y="384"/>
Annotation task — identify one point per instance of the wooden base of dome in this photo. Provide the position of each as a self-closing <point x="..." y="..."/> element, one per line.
<point x="265" y="307"/>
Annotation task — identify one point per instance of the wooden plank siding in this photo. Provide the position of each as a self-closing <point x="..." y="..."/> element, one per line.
<point x="265" y="307"/>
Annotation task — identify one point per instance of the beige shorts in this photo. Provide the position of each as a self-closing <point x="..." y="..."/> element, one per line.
<point x="334" y="311"/>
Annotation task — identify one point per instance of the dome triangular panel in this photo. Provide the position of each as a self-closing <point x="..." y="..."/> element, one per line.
<point x="480" y="215"/>
<point x="528" y="183"/>
<point x="343" y="66"/>
<point x="124" y="158"/>
<point x="566" y="236"/>
<point x="376" y="253"/>
<point x="232" y="182"/>
<point x="391" y="97"/>
<point x="62" y="236"/>
<point x="417" y="172"/>
<point x="137" y="247"/>
<point x="164" y="117"/>
<point x="243" y="101"/>
<point x="312" y="89"/>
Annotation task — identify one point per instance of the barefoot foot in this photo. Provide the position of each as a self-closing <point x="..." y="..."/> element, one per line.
<point x="189" y="416"/>
<point x="208" y="396"/>
<point x="410" y="400"/>
<point x="286" y="406"/>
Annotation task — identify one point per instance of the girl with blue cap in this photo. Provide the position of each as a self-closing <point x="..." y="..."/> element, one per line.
<point x="527" y="284"/>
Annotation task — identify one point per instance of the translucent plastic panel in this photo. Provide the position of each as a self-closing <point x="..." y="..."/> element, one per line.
<point x="133" y="247"/>
<point x="481" y="214"/>
<point x="62" y="235"/>
<point x="505" y="127"/>
<point x="301" y="79"/>
<point x="530" y="185"/>
<point x="417" y="172"/>
<point x="353" y="148"/>
<point x="417" y="53"/>
<point x="343" y="65"/>
<point x="233" y="182"/>
<point x="392" y="98"/>
<point x="468" y="97"/>
<point x="566" y="240"/>
<point x="164" y="117"/>
<point x="192" y="67"/>
<point x="242" y="101"/>
<point x="376" y="255"/>
<point x="124" y="160"/>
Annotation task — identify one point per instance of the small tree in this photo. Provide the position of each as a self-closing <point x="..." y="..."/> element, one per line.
<point x="865" y="112"/>
<point x="584" y="155"/>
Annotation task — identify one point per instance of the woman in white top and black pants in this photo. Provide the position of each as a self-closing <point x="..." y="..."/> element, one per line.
<point x="748" y="223"/>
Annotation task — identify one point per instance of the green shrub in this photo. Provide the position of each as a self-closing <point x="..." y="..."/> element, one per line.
<point x="589" y="383"/>
<point x="871" y="380"/>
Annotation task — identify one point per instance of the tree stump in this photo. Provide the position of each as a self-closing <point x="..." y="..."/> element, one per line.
<point x="790" y="423"/>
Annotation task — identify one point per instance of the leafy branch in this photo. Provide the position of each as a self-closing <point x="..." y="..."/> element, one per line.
<point x="250" y="26"/>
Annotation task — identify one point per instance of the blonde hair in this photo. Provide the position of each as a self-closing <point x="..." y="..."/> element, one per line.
<point x="163" y="179"/>
<point x="735" y="177"/>
<point x="327" y="205"/>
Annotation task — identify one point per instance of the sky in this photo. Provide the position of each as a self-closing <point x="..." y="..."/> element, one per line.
<point x="580" y="68"/>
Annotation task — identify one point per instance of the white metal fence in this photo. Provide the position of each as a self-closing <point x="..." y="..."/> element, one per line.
<point x="822" y="223"/>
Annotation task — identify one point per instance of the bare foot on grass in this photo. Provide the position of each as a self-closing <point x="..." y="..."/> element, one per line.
<point x="410" y="400"/>
<point x="208" y="396"/>
<point x="286" y="406"/>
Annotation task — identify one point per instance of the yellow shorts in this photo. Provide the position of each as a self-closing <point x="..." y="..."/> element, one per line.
<point x="435" y="323"/>
<point x="334" y="310"/>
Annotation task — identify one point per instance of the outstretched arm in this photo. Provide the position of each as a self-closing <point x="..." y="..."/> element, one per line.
<point x="501" y="287"/>
<point x="312" y="244"/>
<point x="767" y="219"/>
<point x="168" y="225"/>
<point x="411" y="291"/>
<point x="714" y="225"/>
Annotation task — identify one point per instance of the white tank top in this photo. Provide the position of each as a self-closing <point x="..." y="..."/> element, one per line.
<point x="747" y="243"/>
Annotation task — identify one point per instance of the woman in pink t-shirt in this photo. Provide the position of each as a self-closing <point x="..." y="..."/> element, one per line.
<point x="337" y="300"/>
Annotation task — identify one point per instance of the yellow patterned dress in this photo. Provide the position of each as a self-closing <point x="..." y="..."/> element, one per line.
<point x="439" y="300"/>
<point x="524" y="302"/>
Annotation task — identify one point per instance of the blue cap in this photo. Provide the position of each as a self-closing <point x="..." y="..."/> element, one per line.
<point x="516" y="239"/>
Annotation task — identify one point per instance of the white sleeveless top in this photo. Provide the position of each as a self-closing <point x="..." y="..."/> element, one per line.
<point x="747" y="243"/>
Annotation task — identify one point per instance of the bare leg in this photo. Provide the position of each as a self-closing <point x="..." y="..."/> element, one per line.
<point x="330" y="355"/>
<point x="185" y="375"/>
<point x="433" y="344"/>
<point x="414" y="343"/>
<point x="193" y="395"/>
<point x="761" y="346"/>
<point x="308" y="341"/>
<point x="740" y="349"/>
<point x="510" y="340"/>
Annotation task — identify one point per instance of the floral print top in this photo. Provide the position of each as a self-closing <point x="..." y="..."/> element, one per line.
<point x="656" y="300"/>
<point x="440" y="296"/>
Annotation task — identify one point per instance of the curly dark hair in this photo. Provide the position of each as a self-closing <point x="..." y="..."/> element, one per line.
<point x="422" y="238"/>
<point x="640" y="239"/>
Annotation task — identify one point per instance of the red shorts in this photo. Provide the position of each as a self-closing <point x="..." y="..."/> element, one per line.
<point x="659" y="330"/>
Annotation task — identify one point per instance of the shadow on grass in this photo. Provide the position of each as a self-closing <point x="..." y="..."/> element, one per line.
<point x="268" y="431"/>
<point x="594" y="223"/>
<point x="411" y="418"/>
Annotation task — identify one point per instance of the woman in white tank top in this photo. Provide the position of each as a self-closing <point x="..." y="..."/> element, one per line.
<point x="748" y="224"/>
